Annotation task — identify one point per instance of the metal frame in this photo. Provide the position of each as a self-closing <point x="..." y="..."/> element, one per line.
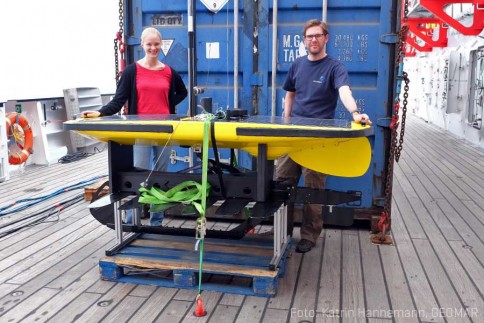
<point x="281" y="238"/>
<point x="124" y="177"/>
<point x="271" y="199"/>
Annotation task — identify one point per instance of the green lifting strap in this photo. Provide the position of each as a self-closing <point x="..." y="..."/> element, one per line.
<point x="186" y="192"/>
<point x="201" y="221"/>
<point x="189" y="191"/>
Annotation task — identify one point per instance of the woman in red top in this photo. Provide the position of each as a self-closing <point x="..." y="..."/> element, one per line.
<point x="150" y="87"/>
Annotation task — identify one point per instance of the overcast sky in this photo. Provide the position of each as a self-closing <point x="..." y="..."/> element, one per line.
<point x="49" y="45"/>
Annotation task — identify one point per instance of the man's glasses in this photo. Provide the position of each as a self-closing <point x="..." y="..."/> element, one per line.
<point x="311" y="37"/>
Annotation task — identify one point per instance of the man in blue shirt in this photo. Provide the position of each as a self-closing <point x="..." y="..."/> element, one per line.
<point x="313" y="84"/>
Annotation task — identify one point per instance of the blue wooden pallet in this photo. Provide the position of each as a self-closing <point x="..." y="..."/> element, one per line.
<point x="229" y="266"/>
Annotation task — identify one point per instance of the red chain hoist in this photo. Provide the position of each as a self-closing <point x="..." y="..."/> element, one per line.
<point x="396" y="144"/>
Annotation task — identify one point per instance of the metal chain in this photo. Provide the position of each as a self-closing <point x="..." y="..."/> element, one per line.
<point x="404" y="116"/>
<point x="117" y="40"/>
<point x="396" y="145"/>
<point x="116" y="61"/>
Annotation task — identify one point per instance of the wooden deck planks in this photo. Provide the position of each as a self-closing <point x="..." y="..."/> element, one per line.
<point x="113" y="298"/>
<point x="44" y="261"/>
<point x="352" y="296"/>
<point x="447" y="297"/>
<point x="49" y="272"/>
<point x="23" y="259"/>
<point x="71" y="312"/>
<point x="175" y="311"/>
<point x="49" y="181"/>
<point x="373" y="283"/>
<point x="252" y="309"/>
<point x="399" y="294"/>
<point x="330" y="279"/>
<point x="155" y="303"/>
<point x="288" y="284"/>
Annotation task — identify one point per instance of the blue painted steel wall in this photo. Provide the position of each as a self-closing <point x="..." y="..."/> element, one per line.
<point x="359" y="32"/>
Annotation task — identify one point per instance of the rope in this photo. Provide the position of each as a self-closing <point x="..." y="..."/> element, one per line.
<point x="39" y="217"/>
<point x="78" y="156"/>
<point x="39" y="199"/>
<point x="69" y="158"/>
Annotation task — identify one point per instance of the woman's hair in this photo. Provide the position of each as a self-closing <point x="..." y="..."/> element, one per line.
<point x="149" y="31"/>
<point x="314" y="23"/>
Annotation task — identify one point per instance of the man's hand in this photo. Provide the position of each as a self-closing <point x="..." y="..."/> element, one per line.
<point x="361" y="118"/>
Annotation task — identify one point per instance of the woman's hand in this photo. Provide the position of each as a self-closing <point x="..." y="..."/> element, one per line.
<point x="91" y="114"/>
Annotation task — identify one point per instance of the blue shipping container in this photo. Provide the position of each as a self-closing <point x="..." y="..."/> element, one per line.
<point x="240" y="74"/>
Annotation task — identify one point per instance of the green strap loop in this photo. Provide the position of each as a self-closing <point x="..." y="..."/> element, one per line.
<point x="186" y="192"/>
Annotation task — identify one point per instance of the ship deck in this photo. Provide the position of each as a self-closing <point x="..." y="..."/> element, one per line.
<point x="433" y="272"/>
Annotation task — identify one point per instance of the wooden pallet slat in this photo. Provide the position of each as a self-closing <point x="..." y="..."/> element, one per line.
<point x="142" y="262"/>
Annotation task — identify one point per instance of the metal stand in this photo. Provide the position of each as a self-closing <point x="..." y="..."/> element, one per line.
<point x="281" y="239"/>
<point x="122" y="240"/>
<point x="241" y="188"/>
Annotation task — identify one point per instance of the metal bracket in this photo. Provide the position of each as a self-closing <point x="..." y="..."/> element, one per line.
<point x="174" y="158"/>
<point x="389" y="38"/>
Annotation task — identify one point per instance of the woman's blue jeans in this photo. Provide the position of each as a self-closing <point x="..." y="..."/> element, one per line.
<point x="150" y="158"/>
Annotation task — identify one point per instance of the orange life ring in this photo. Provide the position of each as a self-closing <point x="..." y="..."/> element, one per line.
<point x="18" y="129"/>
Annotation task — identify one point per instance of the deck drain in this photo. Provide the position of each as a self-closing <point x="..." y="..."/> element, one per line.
<point x="104" y="303"/>
<point x="17" y="293"/>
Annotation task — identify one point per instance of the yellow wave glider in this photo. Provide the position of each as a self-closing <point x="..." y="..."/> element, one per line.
<point x="334" y="147"/>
